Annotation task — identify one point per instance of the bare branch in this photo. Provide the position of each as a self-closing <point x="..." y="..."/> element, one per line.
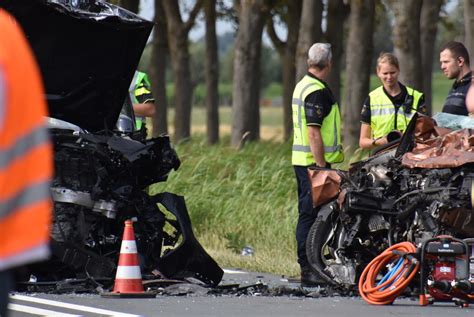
<point x="192" y="16"/>
<point x="277" y="42"/>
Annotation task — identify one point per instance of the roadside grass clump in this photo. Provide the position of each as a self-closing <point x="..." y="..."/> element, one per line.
<point x="239" y="198"/>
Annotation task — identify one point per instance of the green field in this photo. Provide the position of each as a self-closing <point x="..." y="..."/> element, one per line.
<point x="440" y="88"/>
<point x="271" y="117"/>
<point x="248" y="197"/>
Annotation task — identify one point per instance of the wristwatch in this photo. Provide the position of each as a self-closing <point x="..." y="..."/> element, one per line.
<point x="373" y="141"/>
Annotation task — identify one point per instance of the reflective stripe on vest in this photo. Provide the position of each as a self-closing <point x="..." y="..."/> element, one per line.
<point x="26" y="163"/>
<point x="135" y="90"/>
<point x="382" y="112"/>
<point x="330" y="128"/>
<point x="132" y="88"/>
<point x="139" y="122"/>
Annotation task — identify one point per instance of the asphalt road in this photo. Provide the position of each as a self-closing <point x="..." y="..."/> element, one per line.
<point x="253" y="303"/>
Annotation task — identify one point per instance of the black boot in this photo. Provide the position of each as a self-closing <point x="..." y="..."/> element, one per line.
<point x="310" y="278"/>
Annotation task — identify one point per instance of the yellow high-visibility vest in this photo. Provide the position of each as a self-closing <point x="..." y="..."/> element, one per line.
<point x="382" y="112"/>
<point x="330" y="128"/>
<point x="140" y="84"/>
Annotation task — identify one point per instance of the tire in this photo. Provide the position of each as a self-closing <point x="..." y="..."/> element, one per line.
<point x="322" y="231"/>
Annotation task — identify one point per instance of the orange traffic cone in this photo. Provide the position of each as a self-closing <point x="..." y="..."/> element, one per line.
<point x="128" y="280"/>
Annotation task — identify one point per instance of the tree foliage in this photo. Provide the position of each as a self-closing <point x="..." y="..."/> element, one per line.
<point x="268" y="64"/>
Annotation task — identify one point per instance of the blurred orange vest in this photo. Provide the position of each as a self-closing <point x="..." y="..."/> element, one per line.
<point x="26" y="164"/>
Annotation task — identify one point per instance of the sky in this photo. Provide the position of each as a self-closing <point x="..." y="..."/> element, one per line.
<point x="147" y="11"/>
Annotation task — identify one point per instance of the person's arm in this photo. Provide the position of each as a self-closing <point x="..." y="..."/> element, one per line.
<point x="316" y="145"/>
<point x="470" y="98"/>
<point x="146" y="109"/>
<point x="365" y="138"/>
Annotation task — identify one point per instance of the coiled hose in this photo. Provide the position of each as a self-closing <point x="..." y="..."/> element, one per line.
<point x="402" y="268"/>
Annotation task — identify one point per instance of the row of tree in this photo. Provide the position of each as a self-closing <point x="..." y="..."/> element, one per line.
<point x="349" y="25"/>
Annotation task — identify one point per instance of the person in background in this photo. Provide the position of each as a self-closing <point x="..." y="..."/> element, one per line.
<point x="26" y="163"/>
<point x="142" y="98"/>
<point x="389" y="107"/>
<point x="454" y="61"/>
<point x="316" y="141"/>
<point x="470" y="100"/>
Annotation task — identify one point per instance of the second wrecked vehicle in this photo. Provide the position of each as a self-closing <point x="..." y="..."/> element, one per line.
<point x="419" y="190"/>
<point x="87" y="52"/>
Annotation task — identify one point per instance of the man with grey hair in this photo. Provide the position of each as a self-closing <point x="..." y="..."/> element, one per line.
<point x="316" y="142"/>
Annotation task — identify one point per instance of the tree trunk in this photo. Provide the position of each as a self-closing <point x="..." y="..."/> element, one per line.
<point x="289" y="67"/>
<point x="337" y="14"/>
<point x="246" y="80"/>
<point x="158" y="71"/>
<point x="429" y="27"/>
<point x="287" y="52"/>
<point x="406" y="40"/>
<point x="212" y="73"/>
<point x="309" y="33"/>
<point x="130" y="5"/>
<point x="179" y="52"/>
<point x="358" y="65"/>
<point x="469" y="27"/>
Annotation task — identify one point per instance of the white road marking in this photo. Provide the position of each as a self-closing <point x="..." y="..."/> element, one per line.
<point x="233" y="271"/>
<point x="70" y="306"/>
<point x="38" y="311"/>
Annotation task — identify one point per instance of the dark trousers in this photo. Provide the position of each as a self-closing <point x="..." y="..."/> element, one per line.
<point x="6" y="283"/>
<point x="306" y="213"/>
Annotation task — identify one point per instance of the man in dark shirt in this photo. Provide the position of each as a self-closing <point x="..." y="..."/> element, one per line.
<point x="454" y="60"/>
<point x="316" y="141"/>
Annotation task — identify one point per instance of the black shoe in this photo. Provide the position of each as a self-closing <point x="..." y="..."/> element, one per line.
<point x="310" y="278"/>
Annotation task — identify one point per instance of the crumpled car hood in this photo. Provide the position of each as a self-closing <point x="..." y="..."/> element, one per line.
<point x="87" y="56"/>
<point x="450" y="150"/>
<point x="439" y="147"/>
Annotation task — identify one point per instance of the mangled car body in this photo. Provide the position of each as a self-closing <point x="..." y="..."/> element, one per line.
<point x="415" y="191"/>
<point x="87" y="52"/>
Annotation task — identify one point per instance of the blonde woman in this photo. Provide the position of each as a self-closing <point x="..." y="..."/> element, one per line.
<point x="389" y="107"/>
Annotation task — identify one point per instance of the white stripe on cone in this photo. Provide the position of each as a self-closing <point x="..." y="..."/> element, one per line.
<point x="128" y="247"/>
<point x="128" y="272"/>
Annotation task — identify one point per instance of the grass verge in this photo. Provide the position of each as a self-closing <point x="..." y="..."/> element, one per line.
<point x="240" y="198"/>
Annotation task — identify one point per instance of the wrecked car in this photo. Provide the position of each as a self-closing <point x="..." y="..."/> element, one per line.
<point x="419" y="188"/>
<point x="87" y="52"/>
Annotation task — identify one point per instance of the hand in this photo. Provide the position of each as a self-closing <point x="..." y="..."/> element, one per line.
<point x="380" y="141"/>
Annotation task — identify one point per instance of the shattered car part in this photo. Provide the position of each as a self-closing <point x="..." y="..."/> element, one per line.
<point x="87" y="52"/>
<point x="450" y="150"/>
<point x="397" y="195"/>
<point x="87" y="56"/>
<point x="198" y="262"/>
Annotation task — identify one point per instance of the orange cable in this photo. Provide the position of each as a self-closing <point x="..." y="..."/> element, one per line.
<point x="389" y="290"/>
